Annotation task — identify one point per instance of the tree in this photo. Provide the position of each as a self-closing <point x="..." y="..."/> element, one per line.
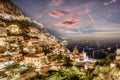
<point x="110" y="58"/>
<point x="67" y="61"/>
<point x="46" y="49"/>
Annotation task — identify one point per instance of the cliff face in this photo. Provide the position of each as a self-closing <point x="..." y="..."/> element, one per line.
<point x="6" y="6"/>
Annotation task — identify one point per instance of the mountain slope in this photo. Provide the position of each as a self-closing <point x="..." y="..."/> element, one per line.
<point x="10" y="13"/>
<point x="6" y="6"/>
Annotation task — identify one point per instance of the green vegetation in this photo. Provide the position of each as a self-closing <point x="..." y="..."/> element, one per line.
<point x="2" y="74"/>
<point x="110" y="58"/>
<point x="23" y="69"/>
<point x="71" y="73"/>
<point x="77" y="73"/>
<point x="101" y="71"/>
<point x="46" y="49"/>
<point x="67" y="61"/>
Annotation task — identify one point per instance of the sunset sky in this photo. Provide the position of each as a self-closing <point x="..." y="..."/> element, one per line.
<point x="72" y="18"/>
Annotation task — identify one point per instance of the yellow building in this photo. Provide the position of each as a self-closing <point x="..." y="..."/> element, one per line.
<point x="3" y="32"/>
<point x="34" y="60"/>
<point x="14" y="29"/>
<point x="33" y="30"/>
<point x="75" y="51"/>
<point x="118" y="54"/>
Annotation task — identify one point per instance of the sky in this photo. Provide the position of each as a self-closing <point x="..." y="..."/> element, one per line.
<point x="75" y="18"/>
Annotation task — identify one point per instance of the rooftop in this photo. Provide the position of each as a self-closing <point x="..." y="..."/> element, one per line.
<point x="3" y="56"/>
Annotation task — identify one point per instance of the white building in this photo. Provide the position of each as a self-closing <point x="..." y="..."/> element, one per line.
<point x="6" y="16"/>
<point x="3" y="42"/>
<point x="65" y="42"/>
<point x="118" y="51"/>
<point x="118" y="54"/>
<point x="112" y="65"/>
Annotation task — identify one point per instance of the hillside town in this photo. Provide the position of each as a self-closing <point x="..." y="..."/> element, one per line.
<point x="40" y="51"/>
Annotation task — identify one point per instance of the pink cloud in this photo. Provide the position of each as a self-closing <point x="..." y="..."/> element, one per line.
<point x="110" y="2"/>
<point x="66" y="23"/>
<point x="69" y="23"/>
<point x="57" y="2"/>
<point x="58" y="13"/>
